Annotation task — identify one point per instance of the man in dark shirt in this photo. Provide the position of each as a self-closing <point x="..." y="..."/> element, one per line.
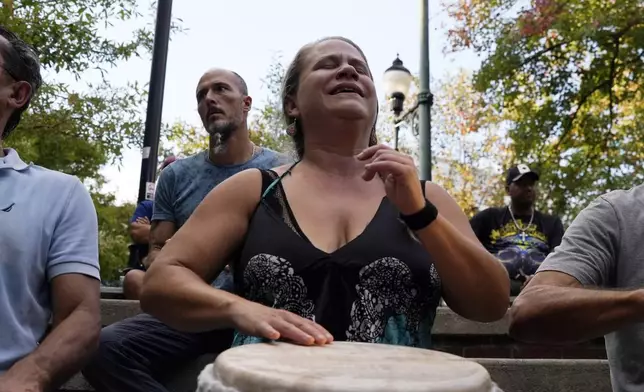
<point x="517" y="234"/>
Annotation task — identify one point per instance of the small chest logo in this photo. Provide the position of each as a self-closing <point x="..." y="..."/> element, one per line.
<point x="7" y="209"/>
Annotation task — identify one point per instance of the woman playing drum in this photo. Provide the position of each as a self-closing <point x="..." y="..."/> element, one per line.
<point x="345" y="244"/>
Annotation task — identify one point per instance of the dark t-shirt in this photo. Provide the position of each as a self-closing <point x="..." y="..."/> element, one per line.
<point x="520" y="253"/>
<point x="143" y="210"/>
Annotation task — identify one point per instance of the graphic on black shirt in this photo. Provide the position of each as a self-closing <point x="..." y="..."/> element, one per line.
<point x="520" y="252"/>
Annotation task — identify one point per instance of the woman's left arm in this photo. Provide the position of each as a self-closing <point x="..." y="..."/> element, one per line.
<point x="475" y="283"/>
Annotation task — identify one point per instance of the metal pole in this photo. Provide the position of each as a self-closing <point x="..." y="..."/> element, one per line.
<point x="155" y="101"/>
<point x="396" y="139"/>
<point x="425" y="98"/>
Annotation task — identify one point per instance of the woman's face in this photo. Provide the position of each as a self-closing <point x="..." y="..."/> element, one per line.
<point x="335" y="80"/>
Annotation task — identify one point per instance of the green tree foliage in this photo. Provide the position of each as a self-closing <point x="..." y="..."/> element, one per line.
<point x="113" y="235"/>
<point x="267" y="126"/>
<point x="568" y="76"/>
<point x="468" y="149"/>
<point x="79" y="131"/>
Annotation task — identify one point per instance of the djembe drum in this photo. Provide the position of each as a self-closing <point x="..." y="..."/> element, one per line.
<point x="341" y="366"/>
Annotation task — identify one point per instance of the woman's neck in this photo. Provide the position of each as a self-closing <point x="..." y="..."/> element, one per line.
<point x="336" y="162"/>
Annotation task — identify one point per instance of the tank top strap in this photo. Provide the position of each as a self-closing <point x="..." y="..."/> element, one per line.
<point x="274" y="199"/>
<point x="275" y="179"/>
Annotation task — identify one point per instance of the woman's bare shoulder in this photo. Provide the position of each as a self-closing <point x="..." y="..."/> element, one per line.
<point x="282" y="169"/>
<point x="242" y="190"/>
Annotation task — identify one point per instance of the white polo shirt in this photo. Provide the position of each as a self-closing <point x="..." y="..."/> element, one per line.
<point x="48" y="227"/>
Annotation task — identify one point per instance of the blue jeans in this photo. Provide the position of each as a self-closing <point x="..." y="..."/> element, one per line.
<point x="136" y="354"/>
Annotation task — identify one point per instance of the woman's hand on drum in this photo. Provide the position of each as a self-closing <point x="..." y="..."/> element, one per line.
<point x="398" y="171"/>
<point x="258" y="320"/>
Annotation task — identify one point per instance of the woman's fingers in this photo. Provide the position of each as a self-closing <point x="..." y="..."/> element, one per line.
<point x="293" y="333"/>
<point x="370" y="151"/>
<point x="321" y="335"/>
<point x="300" y="330"/>
<point x="384" y="168"/>
<point x="266" y="330"/>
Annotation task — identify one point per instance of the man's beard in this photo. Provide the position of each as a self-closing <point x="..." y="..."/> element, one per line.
<point x="219" y="134"/>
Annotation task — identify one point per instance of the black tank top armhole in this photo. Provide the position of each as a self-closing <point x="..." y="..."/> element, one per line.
<point x="422" y="186"/>
<point x="268" y="178"/>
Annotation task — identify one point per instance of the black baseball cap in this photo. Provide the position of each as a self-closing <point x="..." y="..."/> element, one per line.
<point x="517" y="172"/>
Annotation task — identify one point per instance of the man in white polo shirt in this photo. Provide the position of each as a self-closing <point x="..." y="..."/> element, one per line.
<point x="49" y="269"/>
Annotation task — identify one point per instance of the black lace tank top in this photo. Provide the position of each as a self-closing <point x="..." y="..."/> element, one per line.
<point x="381" y="287"/>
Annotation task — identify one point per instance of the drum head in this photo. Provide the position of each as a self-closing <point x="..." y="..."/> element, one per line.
<point x="342" y="366"/>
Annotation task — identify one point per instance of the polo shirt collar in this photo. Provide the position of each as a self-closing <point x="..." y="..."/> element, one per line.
<point x="11" y="160"/>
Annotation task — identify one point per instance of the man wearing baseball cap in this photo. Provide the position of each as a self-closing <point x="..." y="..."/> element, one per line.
<point x="517" y="234"/>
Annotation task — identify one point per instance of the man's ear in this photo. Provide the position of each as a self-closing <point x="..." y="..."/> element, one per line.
<point x="20" y="94"/>
<point x="248" y="103"/>
<point x="291" y="108"/>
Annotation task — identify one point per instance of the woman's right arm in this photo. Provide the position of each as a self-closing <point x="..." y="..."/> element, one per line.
<point x="176" y="288"/>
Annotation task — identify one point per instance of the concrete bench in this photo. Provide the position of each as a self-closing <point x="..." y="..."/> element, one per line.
<point x="446" y="323"/>
<point x="452" y="333"/>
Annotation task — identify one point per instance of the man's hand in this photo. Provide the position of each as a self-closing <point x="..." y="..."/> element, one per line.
<point x="143" y="220"/>
<point x="140" y="230"/>
<point x="160" y="233"/>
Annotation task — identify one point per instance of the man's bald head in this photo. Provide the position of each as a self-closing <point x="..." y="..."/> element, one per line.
<point x="241" y="83"/>
<point x="223" y="104"/>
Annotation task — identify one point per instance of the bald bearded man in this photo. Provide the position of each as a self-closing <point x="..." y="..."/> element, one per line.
<point x="134" y="352"/>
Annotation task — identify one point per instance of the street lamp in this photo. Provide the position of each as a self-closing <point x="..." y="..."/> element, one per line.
<point x="397" y="80"/>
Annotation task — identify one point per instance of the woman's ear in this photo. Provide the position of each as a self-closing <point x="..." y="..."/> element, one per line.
<point x="291" y="108"/>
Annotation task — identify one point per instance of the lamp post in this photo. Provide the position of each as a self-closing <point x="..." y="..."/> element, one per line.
<point x="397" y="80"/>
<point x="155" y="101"/>
<point x="425" y="98"/>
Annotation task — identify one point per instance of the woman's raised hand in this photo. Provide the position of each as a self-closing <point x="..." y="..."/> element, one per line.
<point x="398" y="171"/>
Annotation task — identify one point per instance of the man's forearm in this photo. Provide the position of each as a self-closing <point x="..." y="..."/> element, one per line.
<point x="554" y="314"/>
<point x="63" y="353"/>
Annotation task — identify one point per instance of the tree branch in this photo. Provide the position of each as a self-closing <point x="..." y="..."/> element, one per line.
<point x="542" y="52"/>
<point x="611" y="96"/>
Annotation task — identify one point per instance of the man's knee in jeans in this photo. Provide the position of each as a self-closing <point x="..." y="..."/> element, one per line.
<point x="109" y="355"/>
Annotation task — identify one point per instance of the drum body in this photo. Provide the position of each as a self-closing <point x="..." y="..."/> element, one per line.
<point x="342" y="366"/>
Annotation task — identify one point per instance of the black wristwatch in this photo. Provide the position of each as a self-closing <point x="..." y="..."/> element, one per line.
<point x="421" y="219"/>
